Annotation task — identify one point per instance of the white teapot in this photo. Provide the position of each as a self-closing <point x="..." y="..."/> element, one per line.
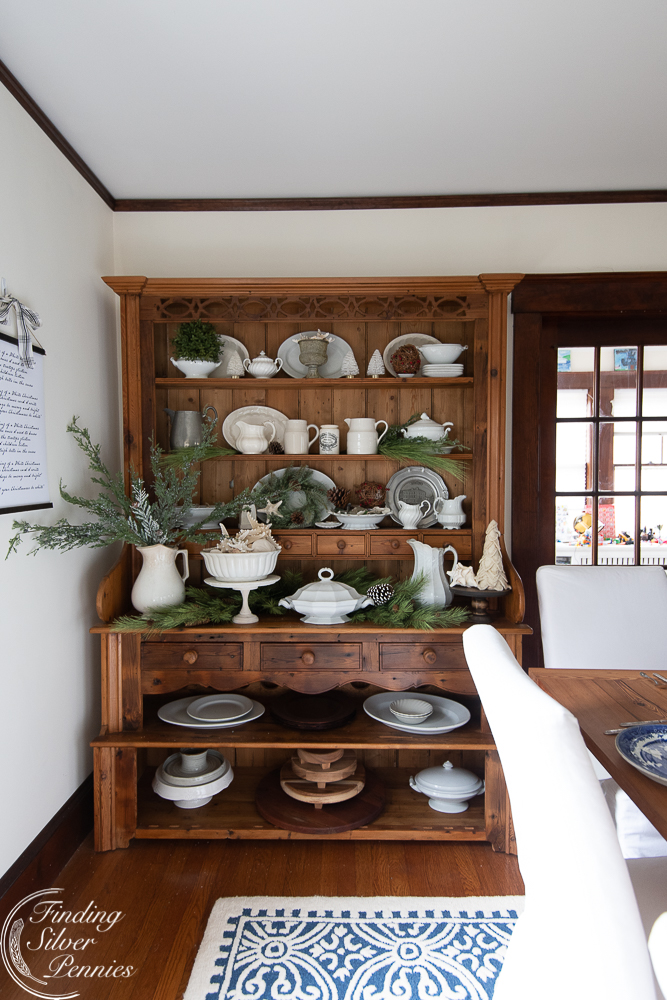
<point x="410" y="514"/>
<point x="362" y="438"/>
<point x="262" y="366"/>
<point x="251" y="439"/>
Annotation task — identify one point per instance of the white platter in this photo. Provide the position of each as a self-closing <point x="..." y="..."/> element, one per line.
<point x="407" y="338"/>
<point x="446" y="715"/>
<point x="297" y="499"/>
<point x="412" y="485"/>
<point x="257" y="415"/>
<point x="176" y="713"/>
<point x="219" y="707"/>
<point x="336" y="351"/>
<point x="230" y="346"/>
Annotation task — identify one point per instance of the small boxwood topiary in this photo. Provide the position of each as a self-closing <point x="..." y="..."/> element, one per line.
<point x="197" y="341"/>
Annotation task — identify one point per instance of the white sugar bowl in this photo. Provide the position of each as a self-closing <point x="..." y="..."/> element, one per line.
<point x="262" y="366"/>
<point x="449" y="788"/>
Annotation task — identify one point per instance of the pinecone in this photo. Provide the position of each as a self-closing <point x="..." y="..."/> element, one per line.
<point x="380" y="593"/>
<point x="406" y="360"/>
<point x="297" y="517"/>
<point x="275" y="448"/>
<point x="339" y="497"/>
<point x="371" y="494"/>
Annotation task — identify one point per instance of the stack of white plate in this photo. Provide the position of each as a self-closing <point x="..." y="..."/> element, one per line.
<point x="442" y="371"/>
<point x="213" y="711"/>
<point x="445" y="716"/>
<point x="191" y="778"/>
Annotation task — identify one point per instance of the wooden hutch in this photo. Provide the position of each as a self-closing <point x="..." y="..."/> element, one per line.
<point x="281" y="653"/>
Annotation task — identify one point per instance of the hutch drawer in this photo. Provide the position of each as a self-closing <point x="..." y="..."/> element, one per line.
<point x="205" y="656"/>
<point x="343" y="544"/>
<point x="401" y="656"/>
<point x="314" y="656"/>
<point x="384" y="546"/>
<point x="299" y="545"/>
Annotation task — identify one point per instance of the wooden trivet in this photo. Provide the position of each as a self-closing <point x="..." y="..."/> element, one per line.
<point x="323" y="757"/>
<point x="319" y="795"/>
<point x="313" y="711"/>
<point x="325" y="773"/>
<point x="276" y="807"/>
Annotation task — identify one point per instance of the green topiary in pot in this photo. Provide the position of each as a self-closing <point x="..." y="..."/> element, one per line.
<point x="197" y="341"/>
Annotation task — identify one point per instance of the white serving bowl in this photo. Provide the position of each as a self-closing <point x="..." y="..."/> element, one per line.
<point x="359" y="522"/>
<point x="441" y="354"/>
<point x="240" y="567"/>
<point x="411" y="710"/>
<point x="195" y="369"/>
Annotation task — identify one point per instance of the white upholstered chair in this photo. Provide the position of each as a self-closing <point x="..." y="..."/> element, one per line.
<point x="580" y="936"/>
<point x="614" y="618"/>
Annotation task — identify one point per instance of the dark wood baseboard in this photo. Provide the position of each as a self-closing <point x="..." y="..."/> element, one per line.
<point x="52" y="848"/>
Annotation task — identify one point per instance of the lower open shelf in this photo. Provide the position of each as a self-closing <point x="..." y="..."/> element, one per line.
<point x="232" y="815"/>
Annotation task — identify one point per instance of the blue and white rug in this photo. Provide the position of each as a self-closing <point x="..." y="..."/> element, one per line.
<point x="330" y="948"/>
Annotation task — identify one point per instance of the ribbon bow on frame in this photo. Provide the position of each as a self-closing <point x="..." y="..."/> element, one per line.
<point x="27" y="322"/>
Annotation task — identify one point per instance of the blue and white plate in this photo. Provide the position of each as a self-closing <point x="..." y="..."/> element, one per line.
<point x="645" y="747"/>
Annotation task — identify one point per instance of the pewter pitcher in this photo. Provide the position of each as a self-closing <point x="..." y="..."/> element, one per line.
<point x="187" y="427"/>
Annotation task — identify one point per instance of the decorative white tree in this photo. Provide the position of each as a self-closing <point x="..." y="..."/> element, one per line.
<point x="375" y="365"/>
<point x="235" y="367"/>
<point x="491" y="575"/>
<point x="349" y="367"/>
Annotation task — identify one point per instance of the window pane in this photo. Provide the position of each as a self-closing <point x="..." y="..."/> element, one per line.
<point x="573" y="456"/>
<point x="618" y="381"/>
<point x="616" y="456"/>
<point x="573" y="535"/>
<point x="654" y="530"/>
<point x="654" y="400"/>
<point x="576" y="381"/>
<point x="617" y="515"/>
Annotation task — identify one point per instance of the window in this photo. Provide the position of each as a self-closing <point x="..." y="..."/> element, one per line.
<point x="611" y="455"/>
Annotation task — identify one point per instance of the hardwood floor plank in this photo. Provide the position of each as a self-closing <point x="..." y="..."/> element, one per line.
<point x="166" y="889"/>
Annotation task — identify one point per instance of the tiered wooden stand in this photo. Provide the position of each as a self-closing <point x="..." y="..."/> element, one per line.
<point x="282" y="654"/>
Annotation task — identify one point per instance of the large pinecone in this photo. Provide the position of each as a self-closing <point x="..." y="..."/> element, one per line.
<point x="339" y="497"/>
<point x="380" y="593"/>
<point x="275" y="448"/>
<point x="297" y="517"/>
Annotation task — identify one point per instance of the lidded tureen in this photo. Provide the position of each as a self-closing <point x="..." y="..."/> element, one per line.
<point x="427" y="428"/>
<point x="325" y="602"/>
<point x="449" y="788"/>
<point x="262" y="366"/>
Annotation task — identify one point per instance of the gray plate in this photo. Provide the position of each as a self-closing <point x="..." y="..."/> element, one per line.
<point x="412" y="485"/>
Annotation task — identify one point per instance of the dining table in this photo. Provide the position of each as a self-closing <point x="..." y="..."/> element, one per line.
<point x="603" y="700"/>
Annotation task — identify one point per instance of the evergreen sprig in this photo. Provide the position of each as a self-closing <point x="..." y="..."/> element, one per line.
<point x="403" y="611"/>
<point x="421" y="450"/>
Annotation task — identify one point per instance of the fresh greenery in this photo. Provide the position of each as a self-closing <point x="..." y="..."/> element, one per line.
<point x="204" y="608"/>
<point x="179" y="456"/>
<point x="421" y="450"/>
<point x="197" y="341"/>
<point x="148" y="516"/>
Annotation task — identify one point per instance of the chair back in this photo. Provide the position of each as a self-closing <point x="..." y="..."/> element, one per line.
<point x="606" y="617"/>
<point x="581" y="935"/>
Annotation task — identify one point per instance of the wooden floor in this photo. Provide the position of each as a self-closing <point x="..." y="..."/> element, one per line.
<point x="166" y="890"/>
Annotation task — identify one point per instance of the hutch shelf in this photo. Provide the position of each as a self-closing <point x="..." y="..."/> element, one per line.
<point x="278" y="654"/>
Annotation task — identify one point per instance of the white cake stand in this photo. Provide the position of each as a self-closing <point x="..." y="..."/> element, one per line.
<point x="245" y="615"/>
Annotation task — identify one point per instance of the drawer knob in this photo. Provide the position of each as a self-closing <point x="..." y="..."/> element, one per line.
<point x="287" y="544"/>
<point x="308" y="657"/>
<point x="430" y="655"/>
<point x="191" y="656"/>
<point x="395" y="544"/>
<point x="341" y="544"/>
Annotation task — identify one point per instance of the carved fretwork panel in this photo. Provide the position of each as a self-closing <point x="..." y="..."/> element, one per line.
<point x="294" y="308"/>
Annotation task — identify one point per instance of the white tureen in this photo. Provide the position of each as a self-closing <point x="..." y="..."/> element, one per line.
<point x="325" y="602"/>
<point x="449" y="788"/>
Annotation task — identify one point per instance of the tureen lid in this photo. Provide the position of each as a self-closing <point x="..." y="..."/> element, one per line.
<point x="326" y="590"/>
<point x="448" y="779"/>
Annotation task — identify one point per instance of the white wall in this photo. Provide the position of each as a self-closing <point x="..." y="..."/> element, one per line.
<point x="405" y="242"/>
<point x="55" y="242"/>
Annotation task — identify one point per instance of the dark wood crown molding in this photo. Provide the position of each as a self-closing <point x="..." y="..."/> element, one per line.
<point x="345" y="204"/>
<point x="56" y="137"/>
<point x="385" y="202"/>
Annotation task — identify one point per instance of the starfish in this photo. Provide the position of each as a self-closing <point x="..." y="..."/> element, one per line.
<point x="270" y="509"/>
